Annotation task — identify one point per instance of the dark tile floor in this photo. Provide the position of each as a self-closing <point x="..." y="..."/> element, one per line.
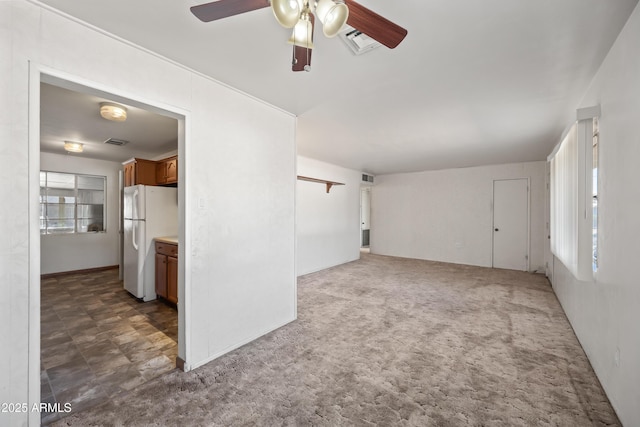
<point x="98" y="341"/>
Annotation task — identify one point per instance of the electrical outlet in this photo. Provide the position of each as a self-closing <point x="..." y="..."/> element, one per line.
<point x="616" y="357"/>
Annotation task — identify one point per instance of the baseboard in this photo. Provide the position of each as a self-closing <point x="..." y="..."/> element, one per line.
<point x="86" y="270"/>
<point x="180" y="363"/>
<point x="235" y="346"/>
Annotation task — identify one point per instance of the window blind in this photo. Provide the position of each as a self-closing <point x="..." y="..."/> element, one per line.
<point x="571" y="194"/>
<point x="564" y="201"/>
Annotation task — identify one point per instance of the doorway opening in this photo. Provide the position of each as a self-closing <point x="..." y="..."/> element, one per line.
<point x="96" y="339"/>
<point x="365" y="218"/>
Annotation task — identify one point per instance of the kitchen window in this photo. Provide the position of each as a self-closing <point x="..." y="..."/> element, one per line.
<point x="71" y="203"/>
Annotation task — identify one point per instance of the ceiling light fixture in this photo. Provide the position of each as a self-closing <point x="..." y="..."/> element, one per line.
<point x="303" y="32"/>
<point x="301" y="14"/>
<point x="114" y="112"/>
<point x="333" y="15"/>
<point x="296" y="14"/>
<point x="73" y="147"/>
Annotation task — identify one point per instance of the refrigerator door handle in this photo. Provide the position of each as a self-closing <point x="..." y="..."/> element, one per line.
<point x="134" y="238"/>
<point x="134" y="205"/>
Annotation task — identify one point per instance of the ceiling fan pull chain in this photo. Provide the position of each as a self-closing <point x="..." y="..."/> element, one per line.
<point x="307" y="64"/>
<point x="294" y="60"/>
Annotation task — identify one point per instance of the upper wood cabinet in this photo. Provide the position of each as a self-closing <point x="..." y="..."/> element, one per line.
<point x="150" y="172"/>
<point x="167" y="171"/>
<point x="139" y="171"/>
<point x="129" y="171"/>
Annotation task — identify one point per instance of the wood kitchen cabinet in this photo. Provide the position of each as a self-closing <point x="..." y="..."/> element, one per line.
<point x="167" y="171"/>
<point x="129" y="174"/>
<point x="161" y="275"/>
<point x="139" y="171"/>
<point x="167" y="271"/>
<point x="172" y="279"/>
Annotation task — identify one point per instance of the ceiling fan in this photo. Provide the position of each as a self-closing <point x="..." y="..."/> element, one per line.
<point x="300" y="15"/>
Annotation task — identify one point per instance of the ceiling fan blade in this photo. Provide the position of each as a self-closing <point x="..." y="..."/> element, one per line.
<point x="302" y="55"/>
<point x="301" y="58"/>
<point x="374" y="25"/>
<point x="224" y="8"/>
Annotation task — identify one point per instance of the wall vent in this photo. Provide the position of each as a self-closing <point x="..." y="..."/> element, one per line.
<point x="358" y="42"/>
<point x="118" y="142"/>
<point x="367" y="178"/>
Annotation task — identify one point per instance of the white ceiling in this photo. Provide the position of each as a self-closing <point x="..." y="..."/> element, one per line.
<point x="475" y="81"/>
<point x="74" y="115"/>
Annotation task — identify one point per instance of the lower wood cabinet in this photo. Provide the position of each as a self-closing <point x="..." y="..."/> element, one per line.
<point x="172" y="279"/>
<point x="167" y="271"/>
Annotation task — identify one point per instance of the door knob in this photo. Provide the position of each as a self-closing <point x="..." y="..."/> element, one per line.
<point x="497" y="229"/>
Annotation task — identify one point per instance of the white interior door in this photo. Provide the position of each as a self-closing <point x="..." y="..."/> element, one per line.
<point x="365" y="216"/>
<point x="511" y="224"/>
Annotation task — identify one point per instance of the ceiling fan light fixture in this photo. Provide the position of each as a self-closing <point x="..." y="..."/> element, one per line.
<point x="114" y="112"/>
<point x="301" y="14"/>
<point x="73" y="147"/>
<point x="302" y="34"/>
<point x="287" y="12"/>
<point x="333" y="15"/>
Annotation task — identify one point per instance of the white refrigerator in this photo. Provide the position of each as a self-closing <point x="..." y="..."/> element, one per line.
<point x="149" y="212"/>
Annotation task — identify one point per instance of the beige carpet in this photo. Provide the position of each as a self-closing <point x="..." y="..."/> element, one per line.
<point x="389" y="341"/>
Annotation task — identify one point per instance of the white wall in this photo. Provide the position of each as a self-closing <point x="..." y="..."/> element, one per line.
<point x="68" y="252"/>
<point x="447" y="216"/>
<point x="238" y="160"/>
<point x="605" y="312"/>
<point x="327" y="225"/>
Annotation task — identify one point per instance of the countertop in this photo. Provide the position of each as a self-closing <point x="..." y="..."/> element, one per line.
<point x="167" y="239"/>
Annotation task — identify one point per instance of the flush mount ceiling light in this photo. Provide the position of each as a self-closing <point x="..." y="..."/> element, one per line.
<point x="73" y="147"/>
<point x="111" y="111"/>
<point x="299" y="15"/>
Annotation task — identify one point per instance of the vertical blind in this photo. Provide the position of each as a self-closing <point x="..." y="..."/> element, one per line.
<point x="564" y="202"/>
<point x="571" y="193"/>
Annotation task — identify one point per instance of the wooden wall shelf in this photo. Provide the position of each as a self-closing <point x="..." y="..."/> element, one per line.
<point x="329" y="184"/>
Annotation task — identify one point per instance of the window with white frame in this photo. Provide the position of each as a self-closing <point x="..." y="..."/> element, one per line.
<point x="573" y="167"/>
<point x="71" y="203"/>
